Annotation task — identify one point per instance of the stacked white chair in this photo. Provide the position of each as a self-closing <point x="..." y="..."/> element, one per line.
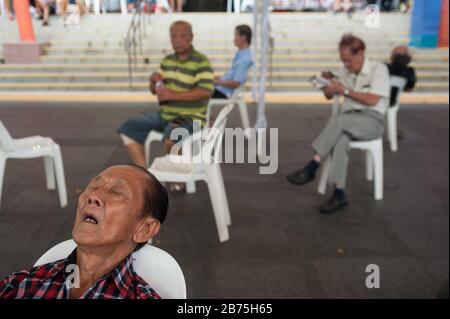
<point x="159" y="269"/>
<point x="391" y="114"/>
<point x="34" y="147"/>
<point x="205" y="166"/>
<point x="374" y="161"/>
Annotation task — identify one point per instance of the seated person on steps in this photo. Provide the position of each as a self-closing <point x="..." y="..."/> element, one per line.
<point x="365" y="87"/>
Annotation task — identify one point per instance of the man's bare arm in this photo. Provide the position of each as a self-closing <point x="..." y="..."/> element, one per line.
<point x="154" y="78"/>
<point x="196" y="94"/>
<point x="328" y="93"/>
<point x="228" y="83"/>
<point x="368" y="99"/>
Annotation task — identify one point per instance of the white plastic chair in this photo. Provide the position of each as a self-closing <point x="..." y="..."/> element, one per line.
<point x="237" y="98"/>
<point x="237" y="6"/>
<point x="159" y="269"/>
<point x="34" y="147"/>
<point x="206" y="168"/>
<point x="391" y="114"/>
<point x="374" y="161"/>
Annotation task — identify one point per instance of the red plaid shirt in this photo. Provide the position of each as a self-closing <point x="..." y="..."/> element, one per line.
<point x="49" y="282"/>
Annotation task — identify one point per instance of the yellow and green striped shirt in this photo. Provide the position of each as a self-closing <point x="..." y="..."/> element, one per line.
<point x="183" y="76"/>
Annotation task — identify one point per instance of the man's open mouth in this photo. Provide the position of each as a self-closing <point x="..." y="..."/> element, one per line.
<point x="88" y="218"/>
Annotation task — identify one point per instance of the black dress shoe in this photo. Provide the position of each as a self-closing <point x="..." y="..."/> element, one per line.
<point x="300" y="177"/>
<point x="333" y="205"/>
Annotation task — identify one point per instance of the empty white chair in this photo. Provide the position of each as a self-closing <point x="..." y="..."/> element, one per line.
<point x="159" y="269"/>
<point x="391" y="114"/>
<point x="205" y="165"/>
<point x="158" y="137"/>
<point x="237" y="98"/>
<point x="374" y="161"/>
<point x="34" y="147"/>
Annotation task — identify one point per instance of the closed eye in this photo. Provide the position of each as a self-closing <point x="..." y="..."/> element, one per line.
<point x="117" y="192"/>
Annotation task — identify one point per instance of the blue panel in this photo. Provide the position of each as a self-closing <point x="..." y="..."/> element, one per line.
<point x="425" y="23"/>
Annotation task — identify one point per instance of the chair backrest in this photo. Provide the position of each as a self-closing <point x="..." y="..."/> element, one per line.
<point x="159" y="269"/>
<point x="212" y="141"/>
<point x="399" y="83"/>
<point x="6" y="141"/>
<point x="238" y="93"/>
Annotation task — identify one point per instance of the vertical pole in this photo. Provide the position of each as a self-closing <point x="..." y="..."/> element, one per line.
<point x="140" y="30"/>
<point x="256" y="8"/>
<point x="261" y="121"/>
<point x="21" y="8"/>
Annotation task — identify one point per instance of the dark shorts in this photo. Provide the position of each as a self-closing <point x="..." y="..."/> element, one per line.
<point x="139" y="127"/>
<point x="219" y="95"/>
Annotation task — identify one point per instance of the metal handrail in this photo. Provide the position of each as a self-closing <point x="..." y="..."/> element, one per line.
<point x="133" y="39"/>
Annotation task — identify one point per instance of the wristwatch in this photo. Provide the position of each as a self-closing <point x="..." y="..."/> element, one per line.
<point x="346" y="92"/>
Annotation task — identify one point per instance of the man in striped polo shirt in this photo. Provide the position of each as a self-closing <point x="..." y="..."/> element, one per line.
<point x="183" y="86"/>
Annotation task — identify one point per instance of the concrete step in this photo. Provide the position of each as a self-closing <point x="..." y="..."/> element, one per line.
<point x="141" y="75"/>
<point x="228" y="56"/>
<point x="143" y="86"/>
<point x="219" y="57"/>
<point x="218" y="67"/>
<point x="226" y="40"/>
<point x="211" y="50"/>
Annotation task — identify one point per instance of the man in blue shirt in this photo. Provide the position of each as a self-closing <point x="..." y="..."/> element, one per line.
<point x="242" y="62"/>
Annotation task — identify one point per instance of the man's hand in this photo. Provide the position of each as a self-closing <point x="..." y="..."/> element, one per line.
<point x="328" y="75"/>
<point x="217" y="80"/>
<point x="155" y="77"/>
<point x="334" y="88"/>
<point x="166" y="95"/>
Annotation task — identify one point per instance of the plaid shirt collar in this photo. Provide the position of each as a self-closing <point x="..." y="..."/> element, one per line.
<point x="122" y="274"/>
<point x="52" y="281"/>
